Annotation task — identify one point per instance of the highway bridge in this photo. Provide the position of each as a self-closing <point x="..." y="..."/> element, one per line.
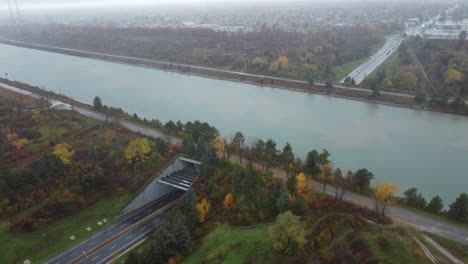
<point x="144" y="213"/>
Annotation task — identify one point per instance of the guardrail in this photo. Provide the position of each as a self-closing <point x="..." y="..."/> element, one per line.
<point x="123" y="232"/>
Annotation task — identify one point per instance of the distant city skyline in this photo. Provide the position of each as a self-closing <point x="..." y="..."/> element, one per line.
<point x="59" y="4"/>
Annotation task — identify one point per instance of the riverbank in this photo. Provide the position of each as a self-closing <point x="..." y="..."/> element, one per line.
<point x="338" y="91"/>
<point x="421" y="222"/>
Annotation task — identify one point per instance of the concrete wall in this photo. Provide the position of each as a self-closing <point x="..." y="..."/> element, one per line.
<point x="155" y="190"/>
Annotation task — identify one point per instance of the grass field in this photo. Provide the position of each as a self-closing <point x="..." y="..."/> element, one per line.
<point x="342" y="71"/>
<point x="53" y="238"/>
<point x="392" y="245"/>
<point x="228" y="244"/>
<point x="458" y="250"/>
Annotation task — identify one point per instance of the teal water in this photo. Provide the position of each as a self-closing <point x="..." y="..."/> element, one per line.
<point x="413" y="148"/>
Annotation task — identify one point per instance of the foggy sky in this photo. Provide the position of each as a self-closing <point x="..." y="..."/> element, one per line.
<point x="48" y="4"/>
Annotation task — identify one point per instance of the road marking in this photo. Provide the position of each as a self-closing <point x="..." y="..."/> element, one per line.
<point x="143" y="228"/>
<point x="123" y="225"/>
<point x="93" y="259"/>
<point x="129" y="236"/>
<point x="93" y="242"/>
<point x="74" y="253"/>
<point x="149" y="211"/>
<point x="136" y="217"/>
<point x="112" y="247"/>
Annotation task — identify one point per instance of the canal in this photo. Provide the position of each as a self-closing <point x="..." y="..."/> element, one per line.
<point x="412" y="148"/>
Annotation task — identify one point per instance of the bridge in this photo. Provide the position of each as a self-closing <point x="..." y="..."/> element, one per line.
<point x="135" y="222"/>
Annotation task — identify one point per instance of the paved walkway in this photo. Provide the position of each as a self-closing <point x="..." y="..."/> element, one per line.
<point x="137" y="61"/>
<point x="399" y="215"/>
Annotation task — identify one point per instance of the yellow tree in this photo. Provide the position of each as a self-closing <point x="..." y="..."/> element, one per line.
<point x="301" y="183"/>
<point x="64" y="152"/>
<point x="218" y="144"/>
<point x="325" y="174"/>
<point x="20" y="143"/>
<point x="228" y="201"/>
<point x="203" y="207"/>
<point x="137" y="150"/>
<point x="453" y="75"/>
<point x="384" y="194"/>
<point x="280" y="65"/>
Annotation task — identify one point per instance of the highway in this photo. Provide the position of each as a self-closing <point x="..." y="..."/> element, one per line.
<point x="416" y="220"/>
<point x="365" y="69"/>
<point x="142" y="61"/>
<point x="118" y="236"/>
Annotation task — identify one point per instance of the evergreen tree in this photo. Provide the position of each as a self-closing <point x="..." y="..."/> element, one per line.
<point x="459" y="209"/>
<point x="97" y="103"/>
<point x="283" y="203"/>
<point x="435" y="205"/>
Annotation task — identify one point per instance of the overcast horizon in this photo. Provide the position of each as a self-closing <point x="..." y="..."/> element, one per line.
<point x="63" y="4"/>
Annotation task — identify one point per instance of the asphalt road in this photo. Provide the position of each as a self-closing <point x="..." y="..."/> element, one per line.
<point x="365" y="69"/>
<point x="142" y="60"/>
<point x="399" y="215"/>
<point x="407" y="217"/>
<point x="416" y="220"/>
<point x="124" y="241"/>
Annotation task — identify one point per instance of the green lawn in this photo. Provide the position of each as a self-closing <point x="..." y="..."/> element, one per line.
<point x="458" y="250"/>
<point x="228" y="244"/>
<point x="342" y="71"/>
<point x="398" y="247"/>
<point x="53" y="238"/>
<point x="345" y="69"/>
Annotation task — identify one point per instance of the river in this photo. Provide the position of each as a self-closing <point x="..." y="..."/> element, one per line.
<point x="413" y="148"/>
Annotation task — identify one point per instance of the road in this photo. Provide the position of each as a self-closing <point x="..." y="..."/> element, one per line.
<point x="141" y="61"/>
<point x="415" y="220"/>
<point x="365" y="69"/>
<point x="122" y="242"/>
<point x="400" y="215"/>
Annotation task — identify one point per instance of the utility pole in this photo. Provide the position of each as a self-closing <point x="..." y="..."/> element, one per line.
<point x="18" y="16"/>
<point x="10" y="12"/>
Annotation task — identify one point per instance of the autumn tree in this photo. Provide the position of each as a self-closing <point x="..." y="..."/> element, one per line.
<point x="301" y="183"/>
<point x="64" y="152"/>
<point x="228" y="201"/>
<point x="337" y="181"/>
<point x="325" y="175"/>
<point x="49" y="169"/>
<point x="384" y="194"/>
<point x="343" y="181"/>
<point x="203" y="207"/>
<point x="281" y="65"/>
<point x="218" y="144"/>
<point x="137" y="150"/>
<point x="287" y="233"/>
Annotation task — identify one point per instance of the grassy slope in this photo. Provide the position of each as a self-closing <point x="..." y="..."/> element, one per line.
<point x="51" y="239"/>
<point x="228" y="244"/>
<point x="400" y="249"/>
<point x="343" y="70"/>
<point x="458" y="250"/>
